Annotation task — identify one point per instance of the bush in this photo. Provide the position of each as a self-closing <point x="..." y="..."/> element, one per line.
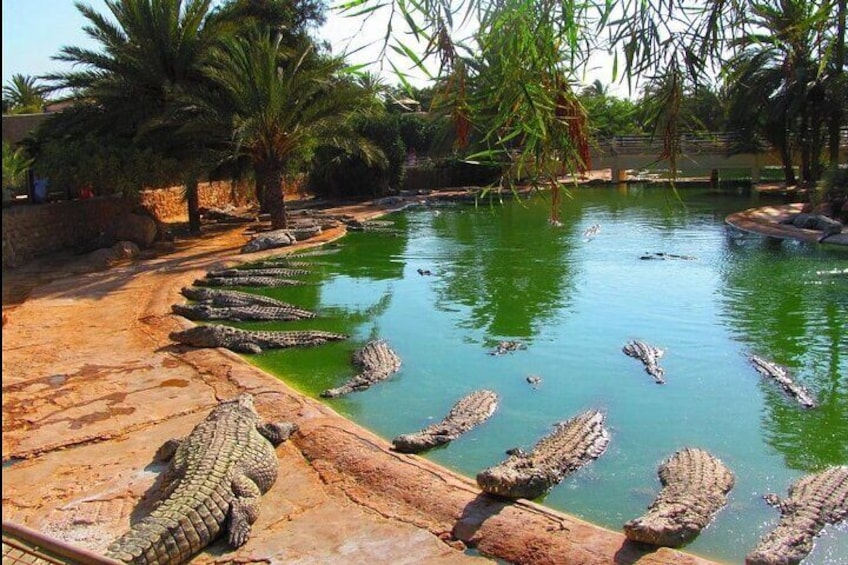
<point x="108" y="165"/>
<point x="339" y="174"/>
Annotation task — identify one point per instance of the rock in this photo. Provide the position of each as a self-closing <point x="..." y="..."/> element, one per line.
<point x="138" y="228"/>
<point x="125" y="250"/>
<point x="817" y="222"/>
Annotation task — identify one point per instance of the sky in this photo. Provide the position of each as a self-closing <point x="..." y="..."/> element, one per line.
<point x="36" y="30"/>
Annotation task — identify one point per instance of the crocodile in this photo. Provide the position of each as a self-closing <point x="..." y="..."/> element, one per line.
<point x="661" y="255"/>
<point x="377" y="362"/>
<point x="783" y="377"/>
<point x="814" y="500"/>
<point x="469" y="412"/>
<point x="247" y="280"/>
<point x="275" y="263"/>
<point x="251" y="341"/>
<point x="695" y="486"/>
<point x="507" y="347"/>
<point x="225" y="297"/>
<point x="240" y="313"/>
<point x="257" y="272"/>
<point x="571" y="445"/>
<point x="649" y="356"/>
<point x="214" y="481"/>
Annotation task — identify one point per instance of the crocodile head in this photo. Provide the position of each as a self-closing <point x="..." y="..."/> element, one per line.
<point x="242" y="402"/>
<point x="202" y="336"/>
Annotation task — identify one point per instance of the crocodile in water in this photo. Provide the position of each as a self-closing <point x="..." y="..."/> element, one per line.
<point x="781" y="376"/>
<point x="815" y="500"/>
<point x="377" y="362"/>
<point x="469" y="412"/>
<point x="257" y="272"/>
<point x="571" y="445"/>
<point x="240" y="313"/>
<point x="247" y="280"/>
<point x="251" y="341"/>
<point x="215" y="479"/>
<point x="649" y="356"/>
<point x="695" y="486"/>
<point x="507" y="347"/>
<point x="226" y="298"/>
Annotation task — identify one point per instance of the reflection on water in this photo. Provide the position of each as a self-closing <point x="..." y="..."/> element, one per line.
<point x="461" y="278"/>
<point x="785" y="303"/>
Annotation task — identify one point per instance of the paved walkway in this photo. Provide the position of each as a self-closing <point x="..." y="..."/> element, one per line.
<point x="92" y="386"/>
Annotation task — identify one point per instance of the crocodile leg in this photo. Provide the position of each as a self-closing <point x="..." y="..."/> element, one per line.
<point x="277" y="432"/>
<point x="244" y="509"/>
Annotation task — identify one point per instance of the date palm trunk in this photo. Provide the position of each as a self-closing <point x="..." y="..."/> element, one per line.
<point x="269" y="183"/>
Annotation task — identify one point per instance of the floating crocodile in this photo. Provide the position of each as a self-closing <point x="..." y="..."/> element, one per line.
<point x="782" y="376"/>
<point x="695" y="487"/>
<point x="571" y="445"/>
<point x="591" y="231"/>
<point x="247" y="280"/>
<point x="250" y="341"/>
<point x="649" y="356"/>
<point x="814" y="500"/>
<point x="469" y="412"/>
<point x="240" y="313"/>
<point x="264" y="272"/>
<point x="661" y="255"/>
<point x="215" y="479"/>
<point x="507" y="347"/>
<point x="226" y="298"/>
<point x="377" y="362"/>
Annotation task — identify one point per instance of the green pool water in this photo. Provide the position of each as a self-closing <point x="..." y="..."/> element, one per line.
<point x="503" y="272"/>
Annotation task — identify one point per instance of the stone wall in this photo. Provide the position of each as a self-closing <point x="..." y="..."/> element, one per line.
<point x="30" y="231"/>
<point x="33" y="230"/>
<point x="169" y="205"/>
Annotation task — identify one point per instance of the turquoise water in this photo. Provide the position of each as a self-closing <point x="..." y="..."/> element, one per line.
<point x="503" y="272"/>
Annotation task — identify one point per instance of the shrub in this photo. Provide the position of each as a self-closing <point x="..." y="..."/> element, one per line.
<point x="339" y="174"/>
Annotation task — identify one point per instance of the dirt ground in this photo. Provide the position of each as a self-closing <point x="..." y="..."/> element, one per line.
<point x="92" y="386"/>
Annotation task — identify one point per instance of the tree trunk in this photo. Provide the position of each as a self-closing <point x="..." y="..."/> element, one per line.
<point x="786" y="161"/>
<point x="838" y="90"/>
<point x="269" y="181"/>
<point x="193" y="201"/>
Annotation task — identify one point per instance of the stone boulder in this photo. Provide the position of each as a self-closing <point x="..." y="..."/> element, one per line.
<point x="817" y="222"/>
<point x="138" y="228"/>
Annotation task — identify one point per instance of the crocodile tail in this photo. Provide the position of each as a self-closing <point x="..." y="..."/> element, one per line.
<point x="171" y="535"/>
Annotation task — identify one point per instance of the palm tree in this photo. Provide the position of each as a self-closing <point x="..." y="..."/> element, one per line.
<point x="149" y="54"/>
<point x="24" y="95"/>
<point x="775" y="78"/>
<point x="279" y="103"/>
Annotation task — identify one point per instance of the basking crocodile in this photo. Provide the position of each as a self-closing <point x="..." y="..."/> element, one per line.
<point x="377" y="362"/>
<point x="571" y="445"/>
<point x="240" y="313"/>
<point x="257" y="272"/>
<point x="216" y="476"/>
<point x="695" y="487"/>
<point x="226" y="297"/>
<point x="782" y="376"/>
<point x="814" y="500"/>
<point x="250" y="341"/>
<point x="247" y="280"/>
<point x="469" y="412"/>
<point x="649" y="356"/>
